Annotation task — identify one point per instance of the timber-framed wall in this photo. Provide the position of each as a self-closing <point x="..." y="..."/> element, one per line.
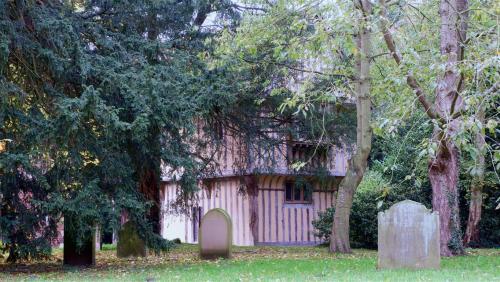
<point x="277" y="222"/>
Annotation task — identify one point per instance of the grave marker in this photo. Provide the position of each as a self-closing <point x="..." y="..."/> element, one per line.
<point x="216" y="234"/>
<point x="129" y="243"/>
<point x="408" y="237"/>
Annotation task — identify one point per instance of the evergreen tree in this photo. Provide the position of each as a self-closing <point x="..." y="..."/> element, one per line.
<point x="94" y="95"/>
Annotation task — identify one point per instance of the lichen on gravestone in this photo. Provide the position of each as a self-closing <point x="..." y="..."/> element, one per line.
<point x="129" y="243"/>
<point x="408" y="237"/>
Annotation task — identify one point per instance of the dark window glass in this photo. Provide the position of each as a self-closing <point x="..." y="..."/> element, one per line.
<point x="296" y="194"/>
<point x="288" y="191"/>
<point x="307" y="195"/>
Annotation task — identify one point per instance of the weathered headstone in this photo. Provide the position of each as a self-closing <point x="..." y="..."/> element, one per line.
<point x="129" y="243"/>
<point x="408" y="237"/>
<point x="74" y="254"/>
<point x="216" y="234"/>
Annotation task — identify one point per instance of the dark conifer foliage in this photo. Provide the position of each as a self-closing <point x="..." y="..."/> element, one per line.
<point x="96" y="94"/>
<point x="93" y="94"/>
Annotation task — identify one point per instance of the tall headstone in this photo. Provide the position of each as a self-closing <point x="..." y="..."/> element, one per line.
<point x="216" y="234"/>
<point x="73" y="253"/>
<point x="129" y="243"/>
<point x="408" y="237"/>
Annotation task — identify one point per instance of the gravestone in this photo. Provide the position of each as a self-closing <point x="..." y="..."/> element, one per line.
<point x="216" y="234"/>
<point x="129" y="243"/>
<point x="408" y="237"/>
<point x="74" y="254"/>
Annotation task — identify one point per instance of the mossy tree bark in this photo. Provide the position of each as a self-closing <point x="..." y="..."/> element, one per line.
<point x="339" y="240"/>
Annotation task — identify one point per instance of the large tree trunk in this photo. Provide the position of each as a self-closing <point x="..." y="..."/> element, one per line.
<point x="476" y="190"/>
<point x="150" y="188"/>
<point x="444" y="167"/>
<point x="443" y="175"/>
<point x="339" y="239"/>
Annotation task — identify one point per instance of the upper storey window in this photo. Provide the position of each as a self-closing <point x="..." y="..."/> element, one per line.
<point x="314" y="156"/>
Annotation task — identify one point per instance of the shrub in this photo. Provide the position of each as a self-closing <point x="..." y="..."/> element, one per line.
<point x="374" y="194"/>
<point x="323" y="225"/>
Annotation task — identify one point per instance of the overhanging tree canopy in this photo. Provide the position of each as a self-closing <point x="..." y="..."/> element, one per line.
<point x="93" y="95"/>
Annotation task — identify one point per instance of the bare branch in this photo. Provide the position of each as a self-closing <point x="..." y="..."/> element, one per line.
<point x="389" y="53"/>
<point x="242" y="7"/>
<point x="410" y="79"/>
<point x="420" y="12"/>
<point x="456" y="95"/>
<point x="299" y="69"/>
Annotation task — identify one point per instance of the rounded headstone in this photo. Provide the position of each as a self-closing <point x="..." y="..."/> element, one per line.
<point x="129" y="243"/>
<point x="216" y="234"/>
<point x="408" y="237"/>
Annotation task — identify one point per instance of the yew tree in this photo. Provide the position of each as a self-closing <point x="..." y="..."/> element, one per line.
<point x="94" y="95"/>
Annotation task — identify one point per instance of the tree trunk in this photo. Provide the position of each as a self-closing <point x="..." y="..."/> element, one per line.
<point x="443" y="176"/>
<point x="150" y="188"/>
<point x="339" y="239"/>
<point x="444" y="167"/>
<point x="476" y="190"/>
<point x="476" y="202"/>
<point x="251" y="183"/>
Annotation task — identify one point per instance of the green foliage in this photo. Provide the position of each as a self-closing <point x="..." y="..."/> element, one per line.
<point x="363" y="224"/>
<point x="291" y="69"/>
<point x="398" y="158"/>
<point x="368" y="201"/>
<point x="414" y="28"/>
<point x="397" y="172"/>
<point x="323" y="224"/>
<point x="94" y="95"/>
<point x="373" y="195"/>
<point x="97" y="95"/>
<point x="24" y="214"/>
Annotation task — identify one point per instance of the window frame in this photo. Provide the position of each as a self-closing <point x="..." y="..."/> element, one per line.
<point x="291" y="183"/>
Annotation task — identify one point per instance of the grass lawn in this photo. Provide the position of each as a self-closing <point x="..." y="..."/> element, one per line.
<point x="257" y="264"/>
